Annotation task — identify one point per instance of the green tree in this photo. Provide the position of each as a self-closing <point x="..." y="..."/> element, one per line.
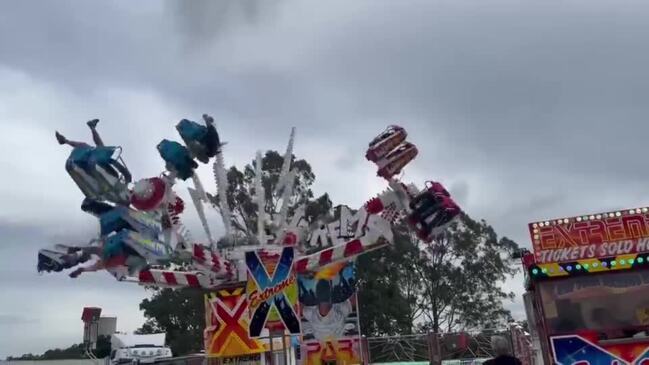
<point x="388" y="288"/>
<point x="241" y="191"/>
<point x="179" y="314"/>
<point x="462" y="272"/>
<point x="452" y="283"/>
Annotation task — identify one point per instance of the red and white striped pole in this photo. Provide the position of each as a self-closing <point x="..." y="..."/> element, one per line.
<point x="178" y="279"/>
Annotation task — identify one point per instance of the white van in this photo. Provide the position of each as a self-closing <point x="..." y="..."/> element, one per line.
<point x="138" y="349"/>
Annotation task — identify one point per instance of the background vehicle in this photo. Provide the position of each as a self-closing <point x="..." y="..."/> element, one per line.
<point x="139" y="349"/>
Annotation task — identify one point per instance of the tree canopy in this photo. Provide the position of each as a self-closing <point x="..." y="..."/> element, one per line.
<point x="73" y="352"/>
<point x="180" y="314"/>
<point x="450" y="284"/>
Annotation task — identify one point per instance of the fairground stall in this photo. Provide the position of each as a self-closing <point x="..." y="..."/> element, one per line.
<point x="588" y="288"/>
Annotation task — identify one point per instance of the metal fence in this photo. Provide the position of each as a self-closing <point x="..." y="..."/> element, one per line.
<point x="428" y="348"/>
<point x="447" y="349"/>
<point x="397" y="348"/>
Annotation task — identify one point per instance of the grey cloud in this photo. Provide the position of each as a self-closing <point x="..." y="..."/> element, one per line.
<point x="203" y="20"/>
<point x="520" y="84"/>
<point x="17" y="234"/>
<point x="97" y="44"/>
<point x="15" y="320"/>
<point x="14" y="234"/>
<point x="460" y="191"/>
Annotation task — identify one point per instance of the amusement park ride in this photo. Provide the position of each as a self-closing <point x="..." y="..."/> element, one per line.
<point x="143" y="240"/>
<point x="141" y="229"/>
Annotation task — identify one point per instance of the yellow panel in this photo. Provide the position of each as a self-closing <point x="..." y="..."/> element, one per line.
<point x="230" y="292"/>
<point x="553" y="270"/>
<point x="626" y="259"/>
<point x="594" y="265"/>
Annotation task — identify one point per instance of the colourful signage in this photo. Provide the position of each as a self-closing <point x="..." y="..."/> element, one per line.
<point x="591" y="237"/>
<point x="226" y="330"/>
<point x="328" y="304"/>
<point x="584" y="350"/>
<point x="272" y="291"/>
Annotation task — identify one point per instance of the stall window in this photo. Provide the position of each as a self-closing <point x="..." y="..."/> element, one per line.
<point x="613" y="304"/>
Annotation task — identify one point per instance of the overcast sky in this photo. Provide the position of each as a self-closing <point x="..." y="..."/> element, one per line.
<point x="526" y="109"/>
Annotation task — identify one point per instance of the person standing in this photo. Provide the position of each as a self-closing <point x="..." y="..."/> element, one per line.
<point x="500" y="347"/>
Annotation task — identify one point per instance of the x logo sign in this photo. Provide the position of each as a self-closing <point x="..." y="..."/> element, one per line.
<point x="271" y="292"/>
<point x="230" y="325"/>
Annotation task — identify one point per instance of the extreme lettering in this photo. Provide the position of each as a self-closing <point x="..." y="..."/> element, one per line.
<point x="575" y="234"/>
<point x="255" y="298"/>
<point x="272" y="293"/>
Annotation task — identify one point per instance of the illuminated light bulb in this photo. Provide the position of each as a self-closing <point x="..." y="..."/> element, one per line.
<point x="535" y="271"/>
<point x="613" y="263"/>
<point x="645" y="210"/>
<point x="604" y="264"/>
<point x="631" y="211"/>
<point x="547" y="223"/>
<point x="578" y="267"/>
<point x="569" y="268"/>
<point x="595" y="264"/>
<point x="631" y="261"/>
<point x="586" y="266"/>
<point x="591" y="217"/>
<point x="536" y="236"/>
<point x="544" y="270"/>
<point x="599" y="216"/>
<point x="611" y="215"/>
<point x="640" y="260"/>
<point x="637" y="211"/>
<point x="540" y="224"/>
<point x="622" y="262"/>
<point x="566" y="221"/>
<point x="617" y="214"/>
<point x="535" y="225"/>
<point x="578" y="219"/>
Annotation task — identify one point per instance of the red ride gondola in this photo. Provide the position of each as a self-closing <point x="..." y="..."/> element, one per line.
<point x="432" y="188"/>
<point x="432" y="211"/>
<point x="394" y="161"/>
<point x="385" y="142"/>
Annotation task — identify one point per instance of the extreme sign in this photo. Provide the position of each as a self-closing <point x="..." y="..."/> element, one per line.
<point x="272" y="290"/>
<point x="591" y="237"/>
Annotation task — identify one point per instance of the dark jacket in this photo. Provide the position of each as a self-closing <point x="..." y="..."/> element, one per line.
<point x="503" y="360"/>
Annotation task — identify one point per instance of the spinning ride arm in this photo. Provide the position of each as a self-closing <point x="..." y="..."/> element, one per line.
<point x="135" y="230"/>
